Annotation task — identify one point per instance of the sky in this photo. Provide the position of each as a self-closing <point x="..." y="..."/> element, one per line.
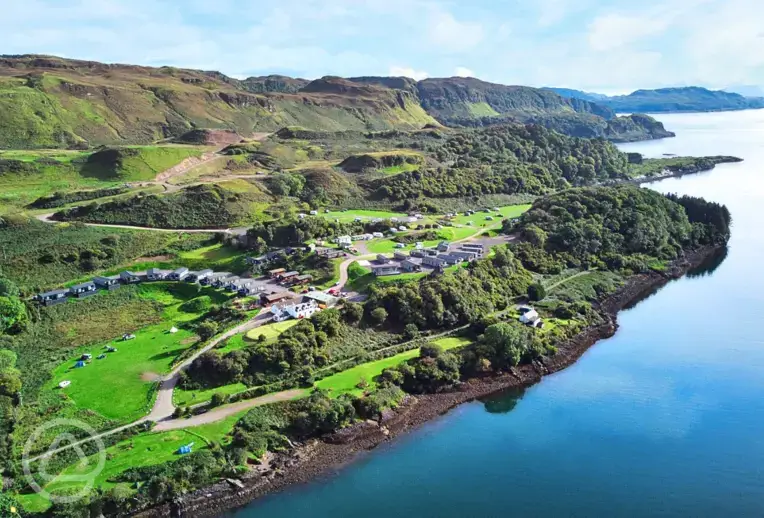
<point x="607" y="46"/>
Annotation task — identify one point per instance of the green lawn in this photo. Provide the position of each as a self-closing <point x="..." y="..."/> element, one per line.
<point x="191" y="397"/>
<point x="271" y="331"/>
<point x="146" y="449"/>
<point x="28" y="155"/>
<point x="398" y="169"/>
<point x="119" y="386"/>
<point x="478" y="219"/>
<point x="387" y="246"/>
<point x="346" y="381"/>
<point x="350" y="215"/>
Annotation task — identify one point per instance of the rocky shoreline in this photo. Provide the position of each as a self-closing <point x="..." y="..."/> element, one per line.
<point x="321" y="457"/>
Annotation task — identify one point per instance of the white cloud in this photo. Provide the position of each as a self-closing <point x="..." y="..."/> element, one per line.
<point x="615" y="30"/>
<point x="408" y="72"/>
<point x="463" y="72"/>
<point x="447" y="33"/>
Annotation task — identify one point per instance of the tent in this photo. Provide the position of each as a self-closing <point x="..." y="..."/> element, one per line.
<point x="79" y="364"/>
<point x="173" y="330"/>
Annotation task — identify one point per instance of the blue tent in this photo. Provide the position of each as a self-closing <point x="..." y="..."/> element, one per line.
<point x="184" y="450"/>
<point x="79" y="364"/>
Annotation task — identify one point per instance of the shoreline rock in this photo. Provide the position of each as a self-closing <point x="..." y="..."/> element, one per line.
<point x="325" y="456"/>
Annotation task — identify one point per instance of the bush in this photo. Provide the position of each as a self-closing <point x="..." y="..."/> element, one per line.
<point x="378" y="316"/>
<point x="536" y="291"/>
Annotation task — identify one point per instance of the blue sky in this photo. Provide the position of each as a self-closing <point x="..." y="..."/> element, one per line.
<point x="600" y="45"/>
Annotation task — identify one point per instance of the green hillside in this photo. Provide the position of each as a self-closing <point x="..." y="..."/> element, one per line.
<point x="50" y="102"/>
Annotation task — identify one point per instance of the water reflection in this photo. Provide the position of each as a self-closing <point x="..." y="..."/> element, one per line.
<point x="503" y="402"/>
<point x="710" y="265"/>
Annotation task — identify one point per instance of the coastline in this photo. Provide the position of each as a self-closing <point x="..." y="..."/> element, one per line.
<point x="323" y="456"/>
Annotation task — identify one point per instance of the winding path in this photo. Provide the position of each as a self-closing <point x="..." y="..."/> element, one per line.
<point x="48" y="218"/>
<point x="163" y="409"/>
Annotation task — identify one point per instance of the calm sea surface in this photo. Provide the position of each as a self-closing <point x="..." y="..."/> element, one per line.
<point x="664" y="419"/>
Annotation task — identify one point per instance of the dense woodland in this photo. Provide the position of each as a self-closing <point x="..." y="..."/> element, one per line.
<point x="615" y="227"/>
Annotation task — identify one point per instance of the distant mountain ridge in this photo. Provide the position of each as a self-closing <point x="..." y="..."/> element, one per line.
<point x="665" y="100"/>
<point x="47" y="101"/>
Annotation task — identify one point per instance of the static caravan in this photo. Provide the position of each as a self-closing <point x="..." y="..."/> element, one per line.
<point x="107" y="283"/>
<point x="52" y="297"/>
<point x="83" y="290"/>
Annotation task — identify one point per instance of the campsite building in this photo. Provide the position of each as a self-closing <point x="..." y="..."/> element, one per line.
<point x="283" y="312"/>
<point x="465" y="255"/>
<point x="385" y="269"/>
<point x="107" y="283"/>
<point x="273" y="274"/>
<point x="410" y="266"/>
<point x="433" y="262"/>
<point x="443" y="246"/>
<point x="214" y="278"/>
<point x="198" y="276"/>
<point x="129" y="277"/>
<point x="321" y="298"/>
<point x="288" y="276"/>
<point x="450" y="259"/>
<point x="52" y="297"/>
<point x="155" y="274"/>
<point x="274" y="297"/>
<point x="83" y="290"/>
<point x="179" y="274"/>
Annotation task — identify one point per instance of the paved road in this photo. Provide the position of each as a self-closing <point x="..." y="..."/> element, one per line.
<point x="163" y="406"/>
<point x="220" y="413"/>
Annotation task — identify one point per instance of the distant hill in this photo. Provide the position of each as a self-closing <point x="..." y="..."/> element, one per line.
<point x="664" y="100"/>
<point x="51" y="102"/>
<point x="746" y="90"/>
<point x="467" y="101"/>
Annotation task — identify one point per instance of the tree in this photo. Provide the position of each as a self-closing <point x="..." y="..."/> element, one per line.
<point x="430" y="350"/>
<point x="10" y="383"/>
<point x="352" y="312"/>
<point x="218" y="399"/>
<point x="378" y="316"/>
<point x="8" y="288"/>
<point x="13" y="315"/>
<point x="536" y="291"/>
<point x="503" y="345"/>
<point x="207" y="330"/>
<point x="411" y="331"/>
<point x="7" y="359"/>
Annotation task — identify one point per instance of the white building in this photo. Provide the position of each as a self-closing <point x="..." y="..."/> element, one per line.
<point x="302" y="310"/>
<point x="529" y="315"/>
<point x="344" y="241"/>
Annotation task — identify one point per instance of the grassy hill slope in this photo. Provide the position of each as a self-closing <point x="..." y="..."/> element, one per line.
<point x="49" y="102"/>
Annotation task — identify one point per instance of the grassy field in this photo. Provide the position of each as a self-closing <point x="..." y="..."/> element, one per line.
<point x="346" y="382"/>
<point x="147" y="449"/>
<point x="350" y="215"/>
<point x="119" y="386"/>
<point x="387" y="246"/>
<point x="192" y="397"/>
<point x="26" y="155"/>
<point x="59" y="172"/>
<point x="478" y="219"/>
<point x="271" y="331"/>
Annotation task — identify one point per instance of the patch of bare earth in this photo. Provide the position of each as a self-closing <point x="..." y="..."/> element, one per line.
<point x="150" y="376"/>
<point x="190" y="340"/>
